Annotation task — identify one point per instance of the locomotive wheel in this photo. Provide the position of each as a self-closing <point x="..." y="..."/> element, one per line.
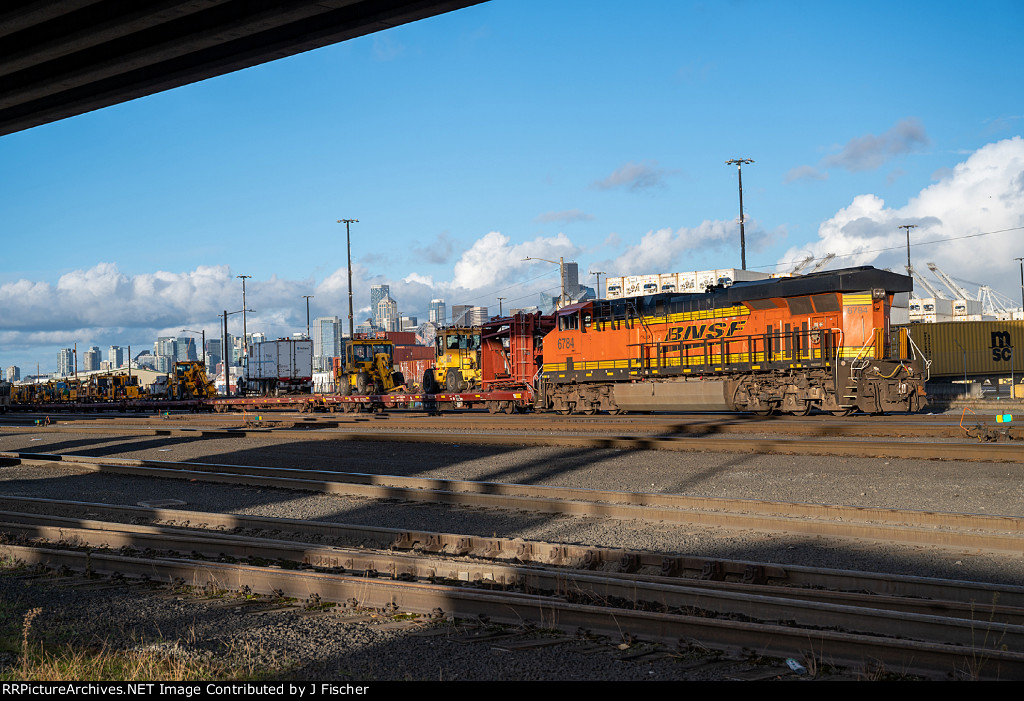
<point x="804" y="411"/>
<point x="842" y="412"/>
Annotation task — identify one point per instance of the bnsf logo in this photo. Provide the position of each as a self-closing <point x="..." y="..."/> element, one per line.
<point x="1002" y="348"/>
<point x="699" y="331"/>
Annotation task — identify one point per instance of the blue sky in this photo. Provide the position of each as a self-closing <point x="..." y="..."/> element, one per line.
<point x="463" y="143"/>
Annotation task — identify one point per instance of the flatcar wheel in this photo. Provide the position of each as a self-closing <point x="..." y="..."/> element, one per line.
<point x="842" y="412"/>
<point x="493" y="407"/>
<point x="764" y="412"/>
<point x="510" y="408"/>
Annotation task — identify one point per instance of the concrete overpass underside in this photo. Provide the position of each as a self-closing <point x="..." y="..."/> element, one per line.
<point x="60" y="58"/>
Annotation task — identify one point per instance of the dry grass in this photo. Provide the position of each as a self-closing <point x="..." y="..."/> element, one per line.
<point x="170" y="662"/>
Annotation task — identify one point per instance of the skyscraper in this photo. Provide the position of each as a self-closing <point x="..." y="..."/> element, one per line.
<point x="327" y="335"/>
<point x="66" y="362"/>
<point x="377" y="293"/>
<point x="387" y="314"/>
<point x="91" y="359"/>
<point x="437" y="313"/>
<point x="117" y="356"/>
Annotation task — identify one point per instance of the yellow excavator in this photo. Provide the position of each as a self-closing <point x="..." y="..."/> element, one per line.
<point x="368" y="367"/>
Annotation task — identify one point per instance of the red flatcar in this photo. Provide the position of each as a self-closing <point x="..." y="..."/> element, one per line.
<point x="819" y="341"/>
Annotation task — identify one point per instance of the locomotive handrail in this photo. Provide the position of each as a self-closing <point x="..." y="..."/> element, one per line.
<point x="917" y="351"/>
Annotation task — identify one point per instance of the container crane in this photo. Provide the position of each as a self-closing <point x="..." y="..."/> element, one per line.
<point x="960" y="292"/>
<point x="924" y="283"/>
<point x="823" y="262"/>
<point x="801" y="265"/>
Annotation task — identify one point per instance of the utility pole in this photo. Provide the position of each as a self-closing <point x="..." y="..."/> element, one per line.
<point x="739" y="162"/>
<point x="599" y="273"/>
<point x="308" y="297"/>
<point x="908" y="227"/>
<point x="500" y="300"/>
<point x="348" y="241"/>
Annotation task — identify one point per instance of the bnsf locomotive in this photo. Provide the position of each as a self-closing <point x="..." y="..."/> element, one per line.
<point x="819" y="341"/>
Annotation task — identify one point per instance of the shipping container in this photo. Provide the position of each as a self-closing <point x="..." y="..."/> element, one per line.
<point x="649" y="284"/>
<point x="977" y="349"/>
<point x="667" y="282"/>
<point x="281" y="366"/>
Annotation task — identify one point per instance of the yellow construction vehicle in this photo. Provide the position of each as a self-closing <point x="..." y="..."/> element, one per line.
<point x="189" y="381"/>
<point x="367" y="367"/>
<point x="457" y="364"/>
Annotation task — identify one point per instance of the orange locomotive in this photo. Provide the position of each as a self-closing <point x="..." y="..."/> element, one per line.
<point x="819" y="341"/>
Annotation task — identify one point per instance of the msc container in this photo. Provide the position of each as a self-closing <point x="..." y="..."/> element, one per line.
<point x="979" y="349"/>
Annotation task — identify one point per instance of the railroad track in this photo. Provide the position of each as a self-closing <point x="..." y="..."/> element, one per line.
<point x="1000" y="534"/>
<point x="712" y="440"/>
<point x="887" y="621"/>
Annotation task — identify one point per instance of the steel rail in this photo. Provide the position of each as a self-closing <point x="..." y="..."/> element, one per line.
<point x="992" y="533"/>
<point x="964" y="451"/>
<point x="716" y="572"/>
<point x="889" y="616"/>
<point x="930" y="659"/>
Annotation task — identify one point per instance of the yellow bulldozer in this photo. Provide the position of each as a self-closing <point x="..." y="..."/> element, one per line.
<point x="367" y="367"/>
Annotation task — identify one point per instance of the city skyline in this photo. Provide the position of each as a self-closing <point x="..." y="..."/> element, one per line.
<point x="485" y="136"/>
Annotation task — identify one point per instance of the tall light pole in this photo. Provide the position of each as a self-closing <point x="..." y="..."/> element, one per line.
<point x="245" y="330"/>
<point x="561" y="274"/>
<point x="599" y="273"/>
<point x="739" y="162"/>
<point x="908" y="227"/>
<point x="348" y="241"/>
<point x="308" y="297"/>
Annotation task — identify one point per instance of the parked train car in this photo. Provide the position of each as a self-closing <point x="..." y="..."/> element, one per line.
<point x="973" y="350"/>
<point x="819" y="341"/>
<point x="284" y="366"/>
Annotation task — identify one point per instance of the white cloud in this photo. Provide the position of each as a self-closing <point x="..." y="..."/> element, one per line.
<point x="985" y="193"/>
<point x="634" y="177"/>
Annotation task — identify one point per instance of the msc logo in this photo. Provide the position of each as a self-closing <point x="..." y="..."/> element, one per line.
<point x="696" y="332"/>
<point x="1002" y="348"/>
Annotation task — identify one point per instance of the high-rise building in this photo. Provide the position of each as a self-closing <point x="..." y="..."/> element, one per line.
<point x="186" y="349"/>
<point x="377" y="293"/>
<point x="13" y="373"/>
<point x="467" y="315"/>
<point x="436" y="313"/>
<point x="66" y="362"/>
<point x="327" y="335"/>
<point x="118" y="356"/>
<point x="167" y="346"/>
<point x="387" y="314"/>
<point x="91" y="359"/>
